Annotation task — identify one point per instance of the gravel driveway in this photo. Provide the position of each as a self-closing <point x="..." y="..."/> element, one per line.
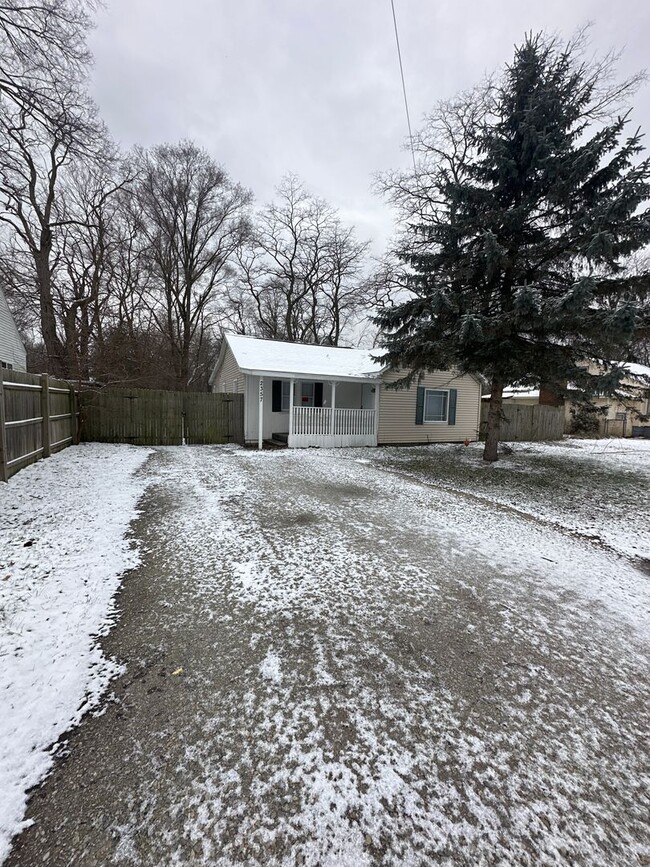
<point x="328" y="663"/>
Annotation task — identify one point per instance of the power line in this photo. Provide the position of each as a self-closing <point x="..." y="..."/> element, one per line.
<point x="406" y="102"/>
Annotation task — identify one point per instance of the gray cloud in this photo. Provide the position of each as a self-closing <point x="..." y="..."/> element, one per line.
<point x="312" y="86"/>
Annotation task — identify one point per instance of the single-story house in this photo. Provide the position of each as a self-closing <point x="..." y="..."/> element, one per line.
<point x="13" y="355"/>
<point x="328" y="396"/>
<point x="617" y="418"/>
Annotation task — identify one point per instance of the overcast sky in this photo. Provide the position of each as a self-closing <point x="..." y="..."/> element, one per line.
<point x="312" y="86"/>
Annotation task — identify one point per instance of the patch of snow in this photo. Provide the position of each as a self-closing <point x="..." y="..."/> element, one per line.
<point x="63" y="523"/>
<point x="270" y="668"/>
<point x="532" y="393"/>
<point x="639" y="370"/>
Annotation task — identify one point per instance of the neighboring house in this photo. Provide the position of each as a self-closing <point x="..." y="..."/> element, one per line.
<point x="12" y="350"/>
<point x="627" y="418"/>
<point x="618" y="418"/>
<point x="312" y="395"/>
<point x="519" y="396"/>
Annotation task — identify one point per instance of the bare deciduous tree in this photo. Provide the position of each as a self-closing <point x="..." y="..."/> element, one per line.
<point x="46" y="118"/>
<point x="89" y="249"/>
<point x="42" y="44"/>
<point x="35" y="155"/>
<point x="194" y="221"/>
<point x="301" y="277"/>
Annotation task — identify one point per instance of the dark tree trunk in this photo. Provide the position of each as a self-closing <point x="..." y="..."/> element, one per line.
<point x="490" y="452"/>
<point x="53" y="345"/>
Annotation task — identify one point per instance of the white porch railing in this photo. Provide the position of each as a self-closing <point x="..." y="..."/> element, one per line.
<point x="312" y="420"/>
<point x="324" y="426"/>
<point x="358" y="422"/>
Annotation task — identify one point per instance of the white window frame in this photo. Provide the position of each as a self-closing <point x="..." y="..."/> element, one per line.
<point x="444" y="420"/>
<point x="286" y="395"/>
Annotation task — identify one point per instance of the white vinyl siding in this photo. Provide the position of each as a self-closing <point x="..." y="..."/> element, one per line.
<point x="229" y="377"/>
<point x="12" y="352"/>
<point x="397" y="409"/>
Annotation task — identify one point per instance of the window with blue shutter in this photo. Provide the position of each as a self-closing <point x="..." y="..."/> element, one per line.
<point x="453" y="399"/>
<point x="436" y="405"/>
<point x="419" y="405"/>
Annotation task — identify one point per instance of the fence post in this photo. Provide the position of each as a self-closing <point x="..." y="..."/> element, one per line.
<point x="74" y="422"/>
<point x="3" y="435"/>
<point x="45" y="412"/>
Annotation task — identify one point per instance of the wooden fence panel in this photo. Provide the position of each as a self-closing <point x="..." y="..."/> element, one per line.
<point x="213" y="418"/>
<point x="532" y="423"/>
<point x="23" y="420"/>
<point x="37" y="417"/>
<point x="40" y="416"/>
<point x="63" y="422"/>
<point x="132" y="415"/>
<point x="150" y="417"/>
<point x="236" y="420"/>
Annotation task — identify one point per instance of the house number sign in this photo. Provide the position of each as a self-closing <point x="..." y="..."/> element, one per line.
<point x="261" y="390"/>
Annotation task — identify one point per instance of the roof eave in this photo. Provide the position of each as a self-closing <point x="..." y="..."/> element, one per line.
<point x="328" y="377"/>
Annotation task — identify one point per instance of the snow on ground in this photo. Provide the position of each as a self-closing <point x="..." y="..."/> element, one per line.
<point x="379" y="673"/>
<point x="469" y="530"/>
<point x="376" y="670"/>
<point x="598" y="489"/>
<point x="62" y="525"/>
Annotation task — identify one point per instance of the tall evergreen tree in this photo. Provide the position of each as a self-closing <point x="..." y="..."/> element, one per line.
<point x="527" y="206"/>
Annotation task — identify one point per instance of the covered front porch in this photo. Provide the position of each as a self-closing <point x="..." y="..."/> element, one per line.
<point x="309" y="413"/>
<point x="331" y="427"/>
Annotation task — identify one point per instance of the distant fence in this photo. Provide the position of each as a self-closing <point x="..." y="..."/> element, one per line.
<point x="613" y="427"/>
<point x="38" y="416"/>
<point x="522" y="423"/>
<point x="169" y="418"/>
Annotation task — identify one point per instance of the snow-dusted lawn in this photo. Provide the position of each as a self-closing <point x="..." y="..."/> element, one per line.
<point x="63" y="547"/>
<point x="599" y="489"/>
<point x="372" y="657"/>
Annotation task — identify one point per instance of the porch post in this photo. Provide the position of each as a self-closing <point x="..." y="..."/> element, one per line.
<point x="291" y="384"/>
<point x="260" y="416"/>
<point x="377" y="391"/>
<point x="332" y="408"/>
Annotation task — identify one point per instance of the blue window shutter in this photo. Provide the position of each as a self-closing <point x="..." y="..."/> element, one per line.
<point x="453" y="397"/>
<point x="419" y="406"/>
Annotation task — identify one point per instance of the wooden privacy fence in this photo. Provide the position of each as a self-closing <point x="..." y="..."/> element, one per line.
<point x="38" y="416"/>
<point x="168" y="418"/>
<point x="531" y="423"/>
